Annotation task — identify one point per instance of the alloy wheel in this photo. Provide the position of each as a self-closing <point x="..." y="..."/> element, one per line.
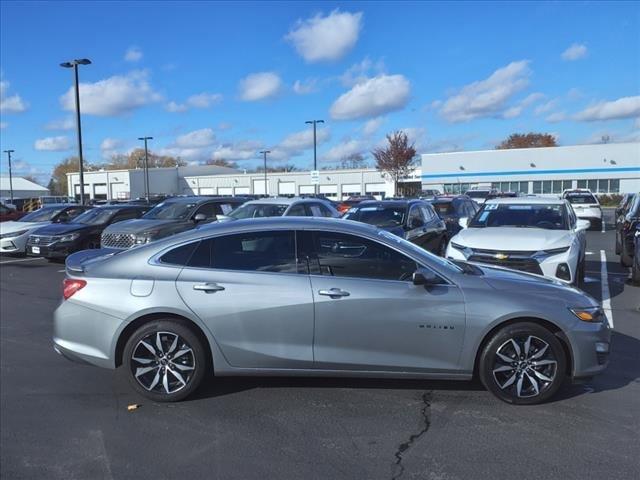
<point x="524" y="366"/>
<point x="163" y="362"/>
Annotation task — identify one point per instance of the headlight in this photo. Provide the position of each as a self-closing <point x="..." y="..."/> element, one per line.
<point x="143" y="238"/>
<point x="466" y="251"/>
<point x="555" y="251"/>
<point x="68" y="238"/>
<point x="589" y="314"/>
<point x="457" y="246"/>
<point x="13" y="234"/>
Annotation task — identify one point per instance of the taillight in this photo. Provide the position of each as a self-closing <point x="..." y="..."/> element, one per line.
<point x="71" y="286"/>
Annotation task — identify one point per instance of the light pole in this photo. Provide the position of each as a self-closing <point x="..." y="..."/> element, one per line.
<point x="147" y="187"/>
<point x="264" y="153"/>
<point x="315" y="160"/>
<point x="9" y="152"/>
<point x="74" y="64"/>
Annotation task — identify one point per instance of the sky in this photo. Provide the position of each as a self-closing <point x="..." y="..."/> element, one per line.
<point x="218" y="80"/>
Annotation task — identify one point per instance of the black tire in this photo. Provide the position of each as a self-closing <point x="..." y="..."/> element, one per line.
<point x="508" y="392"/>
<point x="635" y="273"/>
<point x="618" y="248"/>
<point x="197" y="358"/>
<point x="626" y="260"/>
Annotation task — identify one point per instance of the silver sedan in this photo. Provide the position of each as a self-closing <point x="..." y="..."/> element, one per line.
<point x="321" y="297"/>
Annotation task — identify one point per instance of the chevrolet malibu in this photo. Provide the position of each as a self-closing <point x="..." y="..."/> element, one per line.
<point x="321" y="297"/>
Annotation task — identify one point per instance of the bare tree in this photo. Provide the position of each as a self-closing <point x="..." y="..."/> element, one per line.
<point x="397" y="159"/>
<point x="135" y="159"/>
<point x="221" y="162"/>
<point x="528" y="140"/>
<point x="355" y="160"/>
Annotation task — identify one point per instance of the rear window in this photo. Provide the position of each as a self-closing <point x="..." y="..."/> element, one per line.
<point x="443" y="209"/>
<point x="380" y="216"/>
<point x="179" y="256"/>
<point x="581" y="198"/>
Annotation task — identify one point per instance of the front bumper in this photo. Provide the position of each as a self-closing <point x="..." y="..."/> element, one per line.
<point x="55" y="250"/>
<point x="14" y="244"/>
<point x="590" y="345"/>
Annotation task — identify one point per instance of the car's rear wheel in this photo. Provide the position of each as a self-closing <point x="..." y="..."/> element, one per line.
<point x="523" y="364"/>
<point x="165" y="360"/>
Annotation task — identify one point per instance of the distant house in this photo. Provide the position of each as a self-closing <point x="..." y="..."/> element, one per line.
<point x="22" y="188"/>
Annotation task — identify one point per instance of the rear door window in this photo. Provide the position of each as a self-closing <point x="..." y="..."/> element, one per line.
<point x="297" y="210"/>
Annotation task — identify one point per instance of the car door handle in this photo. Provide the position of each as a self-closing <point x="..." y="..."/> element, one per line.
<point x="208" y="287"/>
<point x="334" y="293"/>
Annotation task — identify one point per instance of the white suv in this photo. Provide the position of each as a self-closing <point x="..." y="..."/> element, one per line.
<point x="586" y="206"/>
<point x="535" y="235"/>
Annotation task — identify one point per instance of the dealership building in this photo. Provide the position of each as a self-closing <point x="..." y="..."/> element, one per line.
<point x="605" y="168"/>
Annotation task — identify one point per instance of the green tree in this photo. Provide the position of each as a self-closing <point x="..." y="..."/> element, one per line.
<point x="397" y="158"/>
<point x="528" y="140"/>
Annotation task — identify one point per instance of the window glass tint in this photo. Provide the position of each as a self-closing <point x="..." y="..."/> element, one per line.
<point x="179" y="255"/>
<point x="42" y="215"/>
<point x="343" y="255"/>
<point x="415" y="219"/>
<point x="297" y="211"/>
<point x="258" y="210"/>
<point x="427" y="212"/>
<point x="209" y="210"/>
<point x="315" y="210"/>
<point x="550" y="217"/>
<point x="581" y="198"/>
<point x="381" y="216"/>
<point x="444" y="208"/>
<point x="201" y="257"/>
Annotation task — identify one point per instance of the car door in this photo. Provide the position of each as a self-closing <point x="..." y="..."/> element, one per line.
<point x="435" y="229"/>
<point x="416" y="230"/>
<point x="247" y="290"/>
<point x="368" y="313"/>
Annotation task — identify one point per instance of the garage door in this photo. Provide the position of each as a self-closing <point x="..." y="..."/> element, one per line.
<point x="378" y="190"/>
<point x="307" y="190"/>
<point x="330" y="191"/>
<point x="207" y="191"/>
<point x="287" y="188"/>
<point x="225" y="191"/>
<point x="119" y="191"/>
<point x="258" y="187"/>
<point x="350" y="189"/>
<point x="241" y="190"/>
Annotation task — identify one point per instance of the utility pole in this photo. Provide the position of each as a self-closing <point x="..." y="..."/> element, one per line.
<point x="9" y="152"/>
<point x="147" y="186"/>
<point x="74" y="64"/>
<point x="264" y="153"/>
<point x="315" y="159"/>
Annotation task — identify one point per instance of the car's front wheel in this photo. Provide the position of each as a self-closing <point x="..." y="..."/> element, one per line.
<point x="165" y="360"/>
<point x="523" y="363"/>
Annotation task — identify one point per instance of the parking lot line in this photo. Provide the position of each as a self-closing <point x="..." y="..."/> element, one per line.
<point x="21" y="260"/>
<point x="604" y="281"/>
<point x="604" y="226"/>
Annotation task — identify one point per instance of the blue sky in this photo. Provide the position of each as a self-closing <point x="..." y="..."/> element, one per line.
<point x="225" y="80"/>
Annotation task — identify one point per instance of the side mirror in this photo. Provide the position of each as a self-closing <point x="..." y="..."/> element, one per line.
<point x="463" y="222"/>
<point x="199" y="217"/>
<point x="582" y="224"/>
<point x="426" y="278"/>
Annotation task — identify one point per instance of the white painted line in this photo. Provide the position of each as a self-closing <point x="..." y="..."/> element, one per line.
<point x="60" y="271"/>
<point x="588" y="253"/>
<point x="603" y="225"/>
<point x="606" y="295"/>
<point x="22" y="260"/>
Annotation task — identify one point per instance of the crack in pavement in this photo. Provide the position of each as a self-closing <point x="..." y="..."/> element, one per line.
<point x="403" y="447"/>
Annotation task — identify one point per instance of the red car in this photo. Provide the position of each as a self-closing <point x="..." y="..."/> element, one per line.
<point x="7" y="213"/>
<point x="351" y="201"/>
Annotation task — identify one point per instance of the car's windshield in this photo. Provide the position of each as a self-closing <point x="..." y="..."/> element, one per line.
<point x="95" y="216"/>
<point x="170" y="211"/>
<point x="443" y="208"/>
<point x="478" y="193"/>
<point x="257" y="210"/>
<point x="547" y="216"/>
<point x="380" y="216"/>
<point x="42" y="215"/>
<point x="581" y="198"/>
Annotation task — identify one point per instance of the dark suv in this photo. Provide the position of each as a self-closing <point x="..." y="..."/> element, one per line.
<point x="59" y="240"/>
<point x="625" y="231"/>
<point x="452" y="208"/>
<point x="413" y="220"/>
<point x="172" y="216"/>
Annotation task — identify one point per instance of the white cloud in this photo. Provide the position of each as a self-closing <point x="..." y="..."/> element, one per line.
<point x="636" y="123"/>
<point x="3" y="125"/>
<point x="361" y="72"/>
<point x="53" y="144"/>
<point x="488" y="97"/>
<point x="133" y="54"/>
<point x="372" y="126"/>
<point x="556" y="117"/>
<point x="67" y="123"/>
<point x="373" y="97"/>
<point x="200" y="100"/>
<point x="115" y="95"/>
<point x="242" y="150"/>
<point x="546" y="107"/>
<point x="516" y="110"/>
<point x="575" y="52"/>
<point x="305" y="87"/>
<point x="110" y="146"/>
<point x="344" y="149"/>
<point x="416" y="135"/>
<point x="625" y="107"/>
<point x="10" y="103"/>
<point x="574" y="94"/>
<point x="258" y="86"/>
<point x="196" y="139"/>
<point x="303" y="140"/>
<point x="327" y="38"/>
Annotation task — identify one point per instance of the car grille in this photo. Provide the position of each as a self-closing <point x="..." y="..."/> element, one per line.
<point x="41" y="240"/>
<point x="117" y="240"/>
<point x="518" y="260"/>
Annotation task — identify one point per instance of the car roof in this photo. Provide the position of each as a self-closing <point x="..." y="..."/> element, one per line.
<point x="284" y="200"/>
<point x="526" y="200"/>
<point x="195" y="199"/>
<point x="395" y="202"/>
<point x="122" y="207"/>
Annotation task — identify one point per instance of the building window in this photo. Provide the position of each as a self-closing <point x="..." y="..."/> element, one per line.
<point x="614" y="185"/>
<point x="557" y="186"/>
<point x="456" y="188"/>
<point x="592" y="185"/>
<point x="567" y="184"/>
<point x="546" y="186"/>
<point x="582" y="184"/>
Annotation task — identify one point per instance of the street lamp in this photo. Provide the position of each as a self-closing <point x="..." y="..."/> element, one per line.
<point x="315" y="161"/>
<point x="147" y="186"/>
<point x="74" y="64"/>
<point x="9" y="152"/>
<point x="264" y="153"/>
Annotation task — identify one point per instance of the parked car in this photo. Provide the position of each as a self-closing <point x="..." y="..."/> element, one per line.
<point x="620" y="213"/>
<point x="624" y="204"/>
<point x="535" y="235"/>
<point x="453" y="208"/>
<point x="635" y="268"/>
<point x="58" y="240"/>
<point x="172" y="216"/>
<point x="586" y="206"/>
<point x="14" y="234"/>
<point x="284" y="207"/>
<point x="481" y="195"/>
<point x="413" y="220"/>
<point x="625" y="232"/>
<point x="352" y="201"/>
<point x="321" y="297"/>
<point x="428" y="194"/>
<point x="8" y="214"/>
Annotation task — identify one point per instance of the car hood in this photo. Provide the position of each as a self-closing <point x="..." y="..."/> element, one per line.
<point x="62" y="228"/>
<point x="156" y="228"/>
<point x="10" y="227"/>
<point x="512" y="238"/>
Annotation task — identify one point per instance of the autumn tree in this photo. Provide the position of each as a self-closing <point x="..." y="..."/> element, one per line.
<point x="355" y="160"/>
<point x="221" y="162"/>
<point x="397" y="158"/>
<point x="528" y="140"/>
<point x="58" y="184"/>
<point x="135" y="159"/>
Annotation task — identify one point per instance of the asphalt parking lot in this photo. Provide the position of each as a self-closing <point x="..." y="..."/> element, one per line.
<point x="60" y="420"/>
